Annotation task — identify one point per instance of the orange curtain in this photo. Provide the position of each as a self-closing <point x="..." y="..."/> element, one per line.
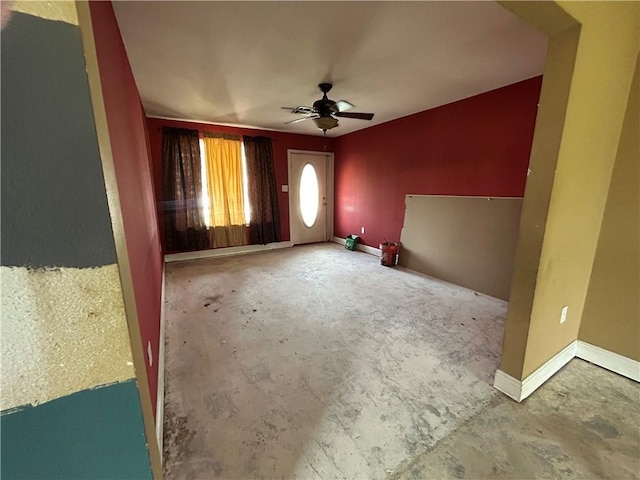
<point x="224" y="185"/>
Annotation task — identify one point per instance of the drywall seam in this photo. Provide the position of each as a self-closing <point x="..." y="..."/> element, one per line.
<point x="63" y="11"/>
<point x="359" y="246"/>
<point x="161" y="348"/>
<point x="64" y="330"/>
<point x="224" y="252"/>
<point x="612" y="361"/>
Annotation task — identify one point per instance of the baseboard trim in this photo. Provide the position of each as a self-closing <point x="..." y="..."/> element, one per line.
<point x="521" y="389"/>
<point x="160" y="396"/>
<point x="224" y="252"/>
<point x="360" y="247"/>
<point x="508" y="385"/>
<point x="612" y="361"/>
<point x="548" y="369"/>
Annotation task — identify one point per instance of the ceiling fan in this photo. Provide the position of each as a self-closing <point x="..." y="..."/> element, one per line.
<point x="324" y="111"/>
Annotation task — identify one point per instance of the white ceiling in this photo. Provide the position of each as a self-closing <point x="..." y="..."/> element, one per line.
<point x="238" y="62"/>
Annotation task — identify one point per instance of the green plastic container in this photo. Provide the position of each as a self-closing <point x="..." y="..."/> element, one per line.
<point x="350" y="242"/>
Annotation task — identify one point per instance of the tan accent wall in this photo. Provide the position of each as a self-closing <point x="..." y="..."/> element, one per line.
<point x="611" y="318"/>
<point x="590" y="131"/>
<point x="542" y="167"/>
<point x="469" y="241"/>
<point x="60" y="10"/>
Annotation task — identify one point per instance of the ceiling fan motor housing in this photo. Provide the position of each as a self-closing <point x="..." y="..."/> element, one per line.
<point x="325" y="106"/>
<point x="325" y="87"/>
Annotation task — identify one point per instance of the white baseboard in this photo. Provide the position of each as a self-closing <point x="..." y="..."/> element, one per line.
<point x="508" y="385"/>
<point x="624" y="366"/>
<point x="548" y="369"/>
<point x="160" y="396"/>
<point x="521" y="389"/>
<point x="360" y="247"/>
<point x="224" y="252"/>
<point x="369" y="250"/>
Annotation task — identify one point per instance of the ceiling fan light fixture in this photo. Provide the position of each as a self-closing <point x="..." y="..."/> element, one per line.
<point x="325" y="123"/>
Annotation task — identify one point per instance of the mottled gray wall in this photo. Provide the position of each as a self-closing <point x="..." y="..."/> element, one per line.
<point x="54" y="204"/>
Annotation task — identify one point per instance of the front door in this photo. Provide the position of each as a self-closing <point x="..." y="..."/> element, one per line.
<point x="308" y="197"/>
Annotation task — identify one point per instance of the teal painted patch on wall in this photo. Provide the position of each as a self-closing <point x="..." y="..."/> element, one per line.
<point x="92" y="434"/>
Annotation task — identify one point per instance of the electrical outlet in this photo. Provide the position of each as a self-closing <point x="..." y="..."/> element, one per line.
<point x="563" y="314"/>
<point x="362" y="230"/>
<point x="150" y="354"/>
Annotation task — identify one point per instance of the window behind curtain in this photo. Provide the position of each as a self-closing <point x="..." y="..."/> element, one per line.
<point x="205" y="188"/>
<point x="225" y="214"/>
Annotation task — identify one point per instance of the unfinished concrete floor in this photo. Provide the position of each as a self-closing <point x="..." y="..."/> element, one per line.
<point x="316" y="363"/>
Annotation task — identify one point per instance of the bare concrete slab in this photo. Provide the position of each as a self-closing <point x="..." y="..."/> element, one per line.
<point x="316" y="362"/>
<point x="584" y="423"/>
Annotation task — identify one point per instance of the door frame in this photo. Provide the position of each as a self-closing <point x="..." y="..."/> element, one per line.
<point x="329" y="187"/>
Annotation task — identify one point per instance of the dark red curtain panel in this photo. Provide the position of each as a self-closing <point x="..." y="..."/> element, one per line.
<point x="264" y="226"/>
<point x="184" y="226"/>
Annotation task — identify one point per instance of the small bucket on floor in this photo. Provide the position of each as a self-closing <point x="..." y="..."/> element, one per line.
<point x="350" y="242"/>
<point x="389" y="253"/>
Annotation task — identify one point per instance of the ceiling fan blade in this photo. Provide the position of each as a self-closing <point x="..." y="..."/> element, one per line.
<point x="301" y="119"/>
<point x="357" y="115"/>
<point x="343" y="105"/>
<point x="301" y="110"/>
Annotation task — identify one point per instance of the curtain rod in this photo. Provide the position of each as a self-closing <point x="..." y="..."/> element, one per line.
<point x="203" y="132"/>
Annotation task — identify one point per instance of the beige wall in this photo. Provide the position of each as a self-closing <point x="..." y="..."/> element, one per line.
<point x="542" y="166"/>
<point x="454" y="238"/>
<point x="611" y="318"/>
<point x="553" y="266"/>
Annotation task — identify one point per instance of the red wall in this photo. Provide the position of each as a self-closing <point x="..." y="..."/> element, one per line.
<point x="477" y="146"/>
<point x="281" y="143"/>
<point x="130" y="148"/>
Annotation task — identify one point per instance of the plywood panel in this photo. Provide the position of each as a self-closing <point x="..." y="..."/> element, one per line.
<point x="469" y="241"/>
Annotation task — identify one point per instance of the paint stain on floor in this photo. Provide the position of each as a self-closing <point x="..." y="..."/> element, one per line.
<point x="176" y="438"/>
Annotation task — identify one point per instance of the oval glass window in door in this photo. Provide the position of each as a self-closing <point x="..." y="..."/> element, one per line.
<point x="309" y="195"/>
